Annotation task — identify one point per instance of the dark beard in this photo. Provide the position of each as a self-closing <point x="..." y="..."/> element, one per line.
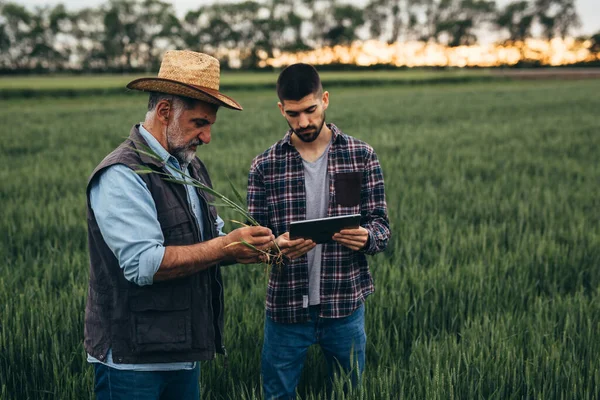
<point x="313" y="136"/>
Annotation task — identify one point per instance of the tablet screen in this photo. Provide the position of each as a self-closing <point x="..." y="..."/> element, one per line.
<point x="322" y="229"/>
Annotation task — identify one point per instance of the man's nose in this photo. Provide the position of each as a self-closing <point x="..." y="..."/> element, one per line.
<point x="303" y="121"/>
<point x="204" y="135"/>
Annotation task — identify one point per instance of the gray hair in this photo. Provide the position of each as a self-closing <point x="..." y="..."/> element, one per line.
<point x="178" y="103"/>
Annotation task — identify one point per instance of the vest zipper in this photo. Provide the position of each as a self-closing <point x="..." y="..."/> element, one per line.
<point x="205" y="209"/>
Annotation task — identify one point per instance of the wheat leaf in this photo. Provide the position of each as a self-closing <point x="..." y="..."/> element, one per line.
<point x="142" y="170"/>
<point x="175" y="180"/>
<point x="238" y="222"/>
<point x="143" y="149"/>
<point x="236" y="193"/>
<point x="253" y="247"/>
<point x="219" y="204"/>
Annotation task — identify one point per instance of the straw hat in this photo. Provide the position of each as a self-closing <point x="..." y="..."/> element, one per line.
<point x="190" y="74"/>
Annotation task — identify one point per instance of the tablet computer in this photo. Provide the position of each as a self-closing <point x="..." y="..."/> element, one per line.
<point x="321" y="230"/>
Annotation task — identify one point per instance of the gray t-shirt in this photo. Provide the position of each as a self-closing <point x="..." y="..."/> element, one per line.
<point x="317" y="201"/>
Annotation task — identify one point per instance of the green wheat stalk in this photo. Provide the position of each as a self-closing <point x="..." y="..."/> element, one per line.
<point x="277" y="257"/>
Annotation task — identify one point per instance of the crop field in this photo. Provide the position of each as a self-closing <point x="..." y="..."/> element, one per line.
<point x="228" y="78"/>
<point x="82" y="85"/>
<point x="489" y="287"/>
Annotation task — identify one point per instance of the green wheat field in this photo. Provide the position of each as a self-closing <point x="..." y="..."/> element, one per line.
<point x="489" y="288"/>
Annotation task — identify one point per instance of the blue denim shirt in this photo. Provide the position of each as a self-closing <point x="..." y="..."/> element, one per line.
<point x="127" y="218"/>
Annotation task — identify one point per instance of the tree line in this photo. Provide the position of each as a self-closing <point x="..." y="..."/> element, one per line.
<point x="128" y="35"/>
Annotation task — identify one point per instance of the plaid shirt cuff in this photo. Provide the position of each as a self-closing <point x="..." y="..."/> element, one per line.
<point x="368" y="248"/>
<point x="374" y="244"/>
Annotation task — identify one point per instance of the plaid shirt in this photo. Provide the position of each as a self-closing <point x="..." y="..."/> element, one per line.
<point x="277" y="196"/>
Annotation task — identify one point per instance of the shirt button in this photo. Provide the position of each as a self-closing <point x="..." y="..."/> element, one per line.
<point x="101" y="357"/>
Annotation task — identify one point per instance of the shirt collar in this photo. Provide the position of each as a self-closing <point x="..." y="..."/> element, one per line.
<point x="155" y="145"/>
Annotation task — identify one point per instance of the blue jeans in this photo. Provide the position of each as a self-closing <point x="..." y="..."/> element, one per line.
<point x="115" y="384"/>
<point x="342" y="340"/>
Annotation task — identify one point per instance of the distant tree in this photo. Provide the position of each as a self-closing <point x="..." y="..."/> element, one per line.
<point x="89" y="32"/>
<point x="4" y="41"/>
<point x="132" y="31"/>
<point x="30" y="39"/>
<point x="126" y="34"/>
<point x="595" y="48"/>
<point x="221" y="28"/>
<point x="47" y="52"/>
<point x="428" y="27"/>
<point x="248" y="30"/>
<point x="319" y="20"/>
<point x="295" y="22"/>
<point x="119" y="33"/>
<point x="456" y="21"/>
<point x="157" y="23"/>
<point x="557" y="17"/>
<point x="347" y="20"/>
<point x="16" y="38"/>
<point x="517" y="18"/>
<point x="375" y="15"/>
<point x="191" y="29"/>
<point x="266" y="32"/>
<point x="388" y="18"/>
<point x="278" y="26"/>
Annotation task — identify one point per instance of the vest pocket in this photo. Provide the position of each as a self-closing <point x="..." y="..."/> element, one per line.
<point x="161" y="319"/>
<point x="176" y="226"/>
<point x="163" y="332"/>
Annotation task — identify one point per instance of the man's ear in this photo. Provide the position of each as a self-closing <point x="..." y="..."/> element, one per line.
<point x="163" y="111"/>
<point x="281" y="108"/>
<point x="325" y="100"/>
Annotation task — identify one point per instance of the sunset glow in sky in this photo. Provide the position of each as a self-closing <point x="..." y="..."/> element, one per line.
<point x="413" y="54"/>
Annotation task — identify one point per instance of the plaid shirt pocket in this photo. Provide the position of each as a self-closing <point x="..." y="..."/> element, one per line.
<point x="347" y="188"/>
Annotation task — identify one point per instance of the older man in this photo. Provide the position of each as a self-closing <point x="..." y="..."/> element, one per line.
<point x="155" y="298"/>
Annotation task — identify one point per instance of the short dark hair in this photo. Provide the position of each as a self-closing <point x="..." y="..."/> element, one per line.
<point x="156" y="97"/>
<point x="297" y="81"/>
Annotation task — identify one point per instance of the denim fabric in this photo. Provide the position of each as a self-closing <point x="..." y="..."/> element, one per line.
<point x="114" y="384"/>
<point x="343" y="341"/>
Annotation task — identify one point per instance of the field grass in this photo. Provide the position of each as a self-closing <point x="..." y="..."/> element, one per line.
<point x="93" y="85"/>
<point x="489" y="288"/>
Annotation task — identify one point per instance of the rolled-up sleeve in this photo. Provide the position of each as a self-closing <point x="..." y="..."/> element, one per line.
<point x="220" y="225"/>
<point x="127" y="219"/>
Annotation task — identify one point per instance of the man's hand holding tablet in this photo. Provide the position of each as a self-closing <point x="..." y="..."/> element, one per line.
<point x="321" y="230"/>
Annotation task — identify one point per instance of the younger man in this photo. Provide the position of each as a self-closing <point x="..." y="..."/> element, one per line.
<point x="316" y="171"/>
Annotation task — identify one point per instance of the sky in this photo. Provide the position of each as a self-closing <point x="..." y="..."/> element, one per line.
<point x="588" y="10"/>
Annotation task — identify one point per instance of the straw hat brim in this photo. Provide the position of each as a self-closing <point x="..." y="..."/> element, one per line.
<point x="177" y="88"/>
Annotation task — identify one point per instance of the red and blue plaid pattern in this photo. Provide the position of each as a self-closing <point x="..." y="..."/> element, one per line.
<point x="277" y="196"/>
